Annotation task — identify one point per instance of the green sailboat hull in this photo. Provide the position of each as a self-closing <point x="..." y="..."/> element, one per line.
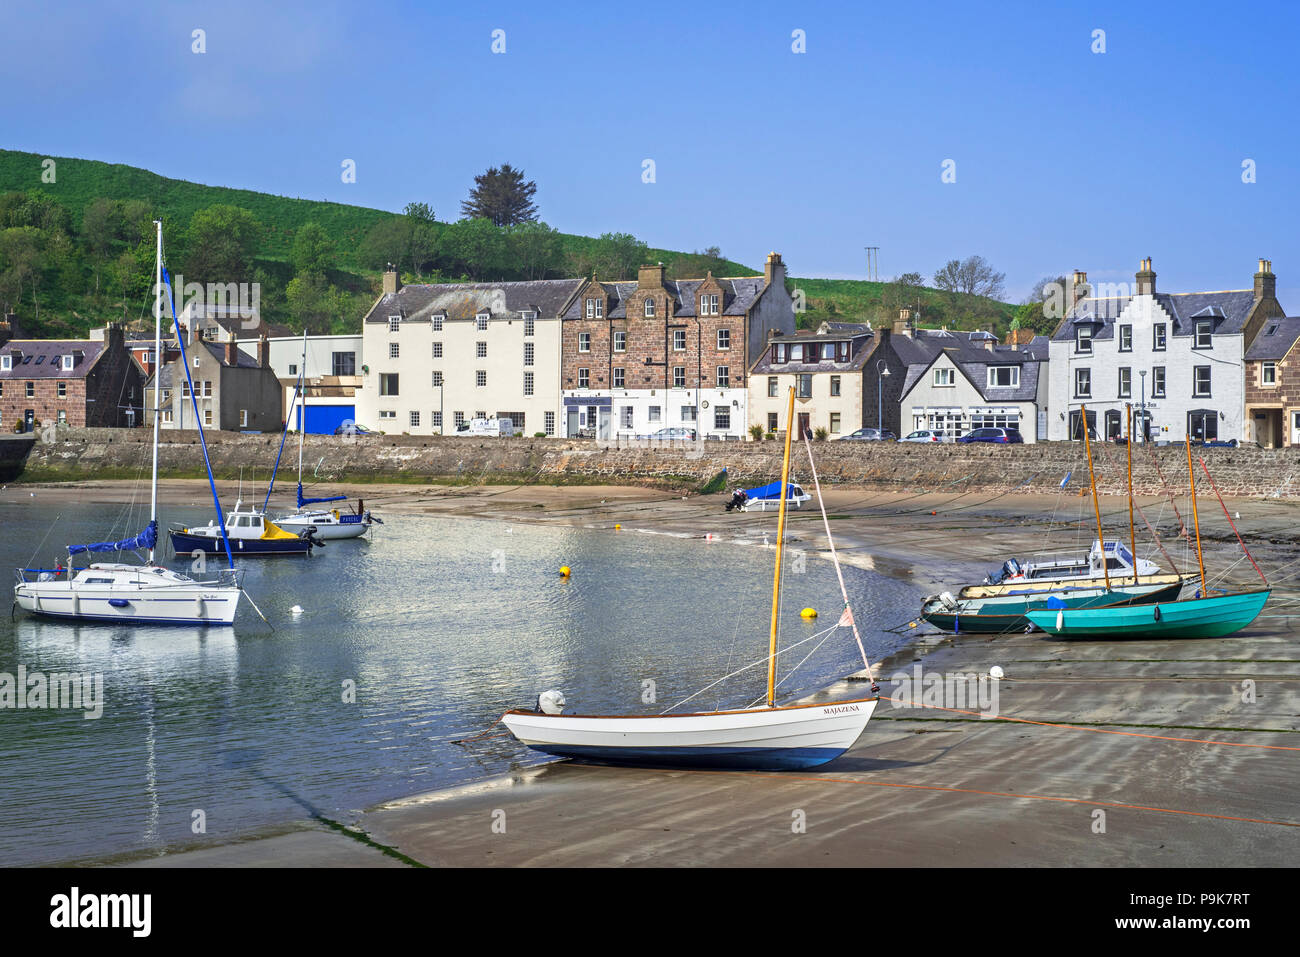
<point x="1010" y="612"/>
<point x="1212" y="617"/>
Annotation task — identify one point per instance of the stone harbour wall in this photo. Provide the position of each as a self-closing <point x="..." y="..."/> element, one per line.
<point x="79" y="454"/>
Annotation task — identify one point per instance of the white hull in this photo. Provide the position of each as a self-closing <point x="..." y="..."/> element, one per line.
<point x="327" y="527"/>
<point x="787" y="738"/>
<point x="130" y="594"/>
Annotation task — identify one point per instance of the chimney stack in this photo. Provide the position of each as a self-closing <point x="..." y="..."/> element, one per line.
<point x="1078" y="288"/>
<point x="774" y="270"/>
<point x="232" y="352"/>
<point x="903" y="324"/>
<point x="1265" y="281"/>
<point x="392" y="283"/>
<point x="1146" y="279"/>
<point x="263" y="352"/>
<point x="650" y="277"/>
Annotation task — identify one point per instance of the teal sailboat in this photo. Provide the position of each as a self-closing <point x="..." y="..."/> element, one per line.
<point x="1204" y="616"/>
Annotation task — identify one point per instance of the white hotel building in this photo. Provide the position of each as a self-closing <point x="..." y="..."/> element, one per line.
<point x="1180" y="355"/>
<point x="437" y="355"/>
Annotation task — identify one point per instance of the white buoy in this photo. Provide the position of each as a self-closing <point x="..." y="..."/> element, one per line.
<point x="296" y="610"/>
<point x="995" y="672"/>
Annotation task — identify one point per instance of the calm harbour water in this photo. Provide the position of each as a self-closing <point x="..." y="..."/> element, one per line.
<point x="442" y="623"/>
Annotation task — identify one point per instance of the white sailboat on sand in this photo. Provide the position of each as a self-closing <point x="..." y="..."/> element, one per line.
<point x="788" y="737"/>
<point x="121" y="592"/>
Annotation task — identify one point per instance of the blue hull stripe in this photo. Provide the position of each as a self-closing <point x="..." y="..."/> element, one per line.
<point x="131" y="619"/>
<point x="751" y="759"/>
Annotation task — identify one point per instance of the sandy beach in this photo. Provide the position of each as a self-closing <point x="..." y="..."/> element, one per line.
<point x="1133" y="753"/>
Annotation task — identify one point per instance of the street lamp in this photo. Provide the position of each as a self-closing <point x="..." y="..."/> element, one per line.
<point x="1142" y="374"/>
<point x="880" y="395"/>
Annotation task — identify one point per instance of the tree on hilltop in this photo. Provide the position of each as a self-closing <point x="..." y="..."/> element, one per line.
<point x="501" y="196"/>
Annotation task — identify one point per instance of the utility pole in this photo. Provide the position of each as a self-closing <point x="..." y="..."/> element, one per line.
<point x="873" y="263"/>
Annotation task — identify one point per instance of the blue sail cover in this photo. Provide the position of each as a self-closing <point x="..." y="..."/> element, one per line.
<point x="312" y="501"/>
<point x="772" y="492"/>
<point x="146" y="539"/>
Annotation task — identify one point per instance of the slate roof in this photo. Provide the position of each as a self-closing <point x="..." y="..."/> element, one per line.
<point x="458" y="300"/>
<point x="738" y="296"/>
<point x="861" y="347"/>
<point x="40" y="357"/>
<point x="1277" y="345"/>
<point x="1229" y="309"/>
<point x="974" y="360"/>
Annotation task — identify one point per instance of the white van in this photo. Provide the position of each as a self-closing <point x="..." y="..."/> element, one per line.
<point x="494" y="427"/>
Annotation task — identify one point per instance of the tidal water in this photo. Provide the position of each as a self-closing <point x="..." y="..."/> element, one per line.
<point x="439" y="624"/>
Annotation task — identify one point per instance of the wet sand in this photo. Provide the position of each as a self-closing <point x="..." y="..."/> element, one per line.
<point x="1149" y="753"/>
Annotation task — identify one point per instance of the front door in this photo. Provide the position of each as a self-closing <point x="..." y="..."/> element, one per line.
<point x="29" y="420"/>
<point x="571" y="415"/>
<point x="805" y="424"/>
<point x="1295" y="428"/>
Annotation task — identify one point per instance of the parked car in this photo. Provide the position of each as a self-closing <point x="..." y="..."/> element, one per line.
<point x="923" y="435"/>
<point x="673" y="432"/>
<point x="354" y="429"/>
<point x="869" y="435"/>
<point x="992" y="435"/>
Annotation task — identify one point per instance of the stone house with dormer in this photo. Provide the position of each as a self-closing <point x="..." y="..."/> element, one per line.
<point x="658" y="353"/>
<point x="76" y="382"/>
<point x="1178" y="358"/>
<point x="1272" y="415"/>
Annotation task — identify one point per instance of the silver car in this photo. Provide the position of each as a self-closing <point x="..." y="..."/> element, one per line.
<point x="923" y="435"/>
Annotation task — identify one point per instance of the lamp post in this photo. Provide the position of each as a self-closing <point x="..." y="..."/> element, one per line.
<point x="1142" y="374"/>
<point x="880" y="395"/>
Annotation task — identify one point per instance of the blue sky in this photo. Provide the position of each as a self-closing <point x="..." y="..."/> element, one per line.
<point x="1065" y="158"/>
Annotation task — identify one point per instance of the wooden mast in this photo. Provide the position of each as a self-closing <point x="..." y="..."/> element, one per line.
<point x="1196" y="518"/>
<point x="1132" y="531"/>
<point x="780" y="545"/>
<point x="1092" y="480"/>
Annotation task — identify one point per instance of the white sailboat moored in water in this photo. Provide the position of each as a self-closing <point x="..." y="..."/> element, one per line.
<point x="121" y="592"/>
<point x="770" y="738"/>
<point x="326" y="524"/>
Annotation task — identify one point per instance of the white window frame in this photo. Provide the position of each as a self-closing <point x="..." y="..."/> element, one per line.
<point x="394" y="350"/>
<point x="437" y="350"/>
<point x="436" y="323"/>
<point x="481" y="321"/>
<point x="69" y="361"/>
<point x="584" y="342"/>
<point x="620" y="340"/>
<point x="530" y="323"/>
<point x="394" y="323"/>
<point x="480" y="350"/>
<point x="724" y="338"/>
<point x="945" y="378"/>
<point x="1204" y="328"/>
<point x="1268" y="374"/>
<point x="1015" y="377"/>
<point x="414" y="419"/>
<point x="480" y="378"/>
<point x="1083" y="340"/>
<point x="529" y="353"/>
<point x="679" y="340"/>
<point x="724" y="377"/>
<point x="528" y="383"/>
<point x="620" y="378"/>
<point x="648" y="310"/>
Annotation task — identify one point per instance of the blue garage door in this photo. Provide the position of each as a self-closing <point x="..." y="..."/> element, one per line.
<point x="324" y="419"/>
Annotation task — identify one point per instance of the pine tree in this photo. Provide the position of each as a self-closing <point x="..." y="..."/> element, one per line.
<point x="501" y="196"/>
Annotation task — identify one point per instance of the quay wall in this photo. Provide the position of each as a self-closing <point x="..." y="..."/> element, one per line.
<point x="79" y="454"/>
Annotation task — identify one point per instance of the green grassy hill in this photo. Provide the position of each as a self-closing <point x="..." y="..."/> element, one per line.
<point x="68" y="297"/>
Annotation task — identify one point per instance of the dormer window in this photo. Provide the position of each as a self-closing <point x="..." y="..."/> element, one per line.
<point x="70" y="361"/>
<point x="1004" y="377"/>
<point x="595" y="309"/>
<point x="394" y="323"/>
<point x="1083" y="340"/>
<point x="1204" y="334"/>
<point x="6" y="362"/>
<point x="649" y="308"/>
<point x="709" y="304"/>
<point x="482" y="321"/>
<point x="437" y="322"/>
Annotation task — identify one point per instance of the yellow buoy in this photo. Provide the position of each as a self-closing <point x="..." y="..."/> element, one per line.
<point x="564" y="571"/>
<point x="617" y="527"/>
<point x="808" y="613"/>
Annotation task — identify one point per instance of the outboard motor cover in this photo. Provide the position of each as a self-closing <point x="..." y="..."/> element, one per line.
<point x="551" y="702"/>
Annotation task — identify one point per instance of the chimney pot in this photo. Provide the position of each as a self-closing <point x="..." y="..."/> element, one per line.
<point x="1146" y="279"/>
<point x="1265" y="281"/>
